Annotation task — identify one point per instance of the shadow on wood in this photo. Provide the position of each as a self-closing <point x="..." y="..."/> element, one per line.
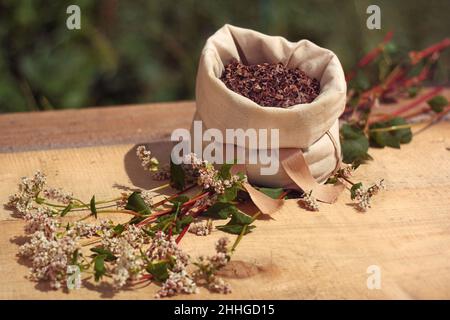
<point x="137" y="175"/>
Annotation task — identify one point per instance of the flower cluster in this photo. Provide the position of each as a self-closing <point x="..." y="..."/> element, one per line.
<point x="208" y="177"/>
<point x="208" y="266"/>
<point x="165" y="248"/>
<point x="40" y="219"/>
<point x="126" y="247"/>
<point x="346" y="171"/>
<point x="129" y="263"/>
<point x="83" y="229"/>
<point x="148" y="196"/>
<point x="147" y="161"/>
<point x="58" y="195"/>
<point x="309" y="202"/>
<point x="201" y="227"/>
<point x="29" y="189"/>
<point x="177" y="283"/>
<point x="126" y="251"/>
<point x="363" y="196"/>
<point x="50" y="256"/>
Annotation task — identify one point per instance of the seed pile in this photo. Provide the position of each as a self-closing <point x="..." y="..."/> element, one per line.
<point x="270" y="85"/>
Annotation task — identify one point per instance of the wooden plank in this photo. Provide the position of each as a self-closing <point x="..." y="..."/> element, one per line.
<point x="298" y="254"/>
<point x="92" y="126"/>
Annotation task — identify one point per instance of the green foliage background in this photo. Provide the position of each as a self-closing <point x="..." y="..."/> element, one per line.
<point x="147" y="51"/>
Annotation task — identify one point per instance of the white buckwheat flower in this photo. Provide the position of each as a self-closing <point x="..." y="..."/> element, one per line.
<point x="162" y="248"/>
<point x="129" y="263"/>
<point x="201" y="227"/>
<point x="58" y="195"/>
<point x="177" y="283"/>
<point x="147" y="161"/>
<point x="309" y="202"/>
<point x="50" y="257"/>
<point x="29" y="188"/>
<point x="40" y="220"/>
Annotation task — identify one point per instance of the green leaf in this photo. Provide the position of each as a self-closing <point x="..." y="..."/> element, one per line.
<point x="438" y="103"/>
<point x="137" y="204"/>
<point x="67" y="209"/>
<point x="390" y="48"/>
<point x="118" y="229"/>
<point x="274" y="193"/>
<point x="220" y="210"/>
<point x="108" y="255"/>
<point x="413" y="91"/>
<point x="92" y="207"/>
<point x="159" y="270"/>
<point x="235" y="229"/>
<point x="99" y="266"/>
<point x="228" y="195"/>
<point x="136" y="219"/>
<point x="237" y="222"/>
<point x="241" y="218"/>
<point x="354" y="144"/>
<point x="74" y="259"/>
<point x="224" y="171"/>
<point x="177" y="176"/>
<point x="353" y="189"/>
<point x="391" y="138"/>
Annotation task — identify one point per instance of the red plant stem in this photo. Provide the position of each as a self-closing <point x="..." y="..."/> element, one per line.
<point x="409" y="106"/>
<point x="372" y="55"/>
<point x="416" y="57"/>
<point x="160" y="203"/>
<point x="193" y="200"/>
<point x="183" y="232"/>
<point x="186" y="228"/>
<point x="144" y="278"/>
<point x="153" y="217"/>
<point x="164" y="212"/>
<point x="378" y="90"/>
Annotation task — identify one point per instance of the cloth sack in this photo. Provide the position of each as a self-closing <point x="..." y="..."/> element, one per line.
<point x="308" y="130"/>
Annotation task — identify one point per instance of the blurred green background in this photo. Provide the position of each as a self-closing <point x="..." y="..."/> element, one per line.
<point x="147" y="50"/>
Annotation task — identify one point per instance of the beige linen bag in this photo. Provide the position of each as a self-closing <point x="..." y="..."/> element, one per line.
<point x="308" y="132"/>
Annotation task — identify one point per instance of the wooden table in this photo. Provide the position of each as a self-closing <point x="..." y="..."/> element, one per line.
<point x="296" y="255"/>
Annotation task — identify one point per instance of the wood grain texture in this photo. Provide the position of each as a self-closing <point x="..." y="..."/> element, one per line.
<point x="296" y="255"/>
<point x="92" y="126"/>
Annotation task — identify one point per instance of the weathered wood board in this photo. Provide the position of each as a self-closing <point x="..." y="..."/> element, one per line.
<point x="296" y="255"/>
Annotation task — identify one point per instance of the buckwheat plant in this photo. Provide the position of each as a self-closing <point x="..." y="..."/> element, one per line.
<point x="309" y="202"/>
<point x="362" y="196"/>
<point x="147" y="161"/>
<point x="208" y="266"/>
<point x="63" y="230"/>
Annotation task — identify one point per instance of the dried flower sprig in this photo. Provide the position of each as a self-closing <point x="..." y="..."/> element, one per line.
<point x="210" y="178"/>
<point x="208" y="266"/>
<point x="50" y="254"/>
<point x="201" y="227"/>
<point x="309" y="202"/>
<point x="363" y="195"/>
<point x="147" y="161"/>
